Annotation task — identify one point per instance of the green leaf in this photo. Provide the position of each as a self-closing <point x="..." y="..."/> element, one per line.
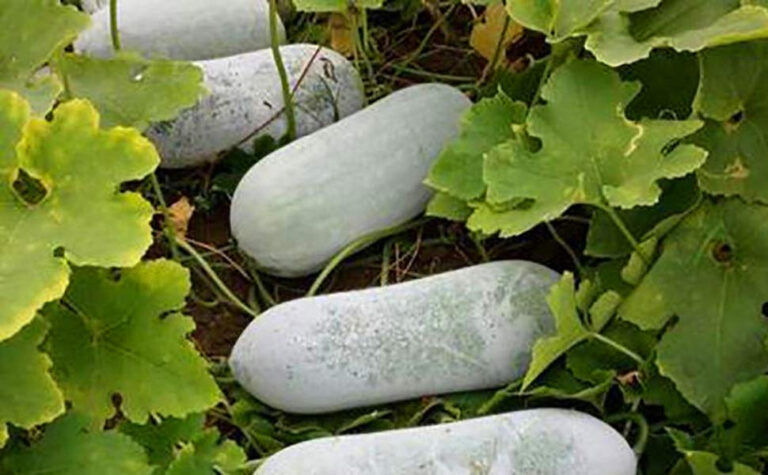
<point x="30" y="32"/>
<point x="678" y="198"/>
<point x="443" y="205"/>
<point x="131" y="91"/>
<point x="712" y="274"/>
<point x="556" y="19"/>
<point x="28" y="394"/>
<point x="558" y="383"/>
<point x="160" y="439"/>
<point x="639" y="261"/>
<point x="200" y="450"/>
<point x="590" y="153"/>
<point x="207" y="456"/>
<point x="335" y="5"/>
<point x="734" y="85"/>
<point x="617" y="38"/>
<point x="747" y="405"/>
<point x="569" y="329"/>
<point x="126" y="337"/>
<point x="83" y="218"/>
<point x="661" y="391"/>
<point x="705" y="463"/>
<point x="591" y="359"/>
<point x="458" y="170"/>
<point x="70" y="448"/>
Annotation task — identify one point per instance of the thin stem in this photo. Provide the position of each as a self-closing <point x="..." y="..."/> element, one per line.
<point x="385" y="263"/>
<point x="290" y="113"/>
<point x="425" y="41"/>
<point x="642" y="425"/>
<point x="566" y="247"/>
<point x="618" y="347"/>
<point x="113" y="31"/>
<point x="624" y="229"/>
<point x="215" y="278"/>
<point x="356" y="246"/>
<point x="170" y="233"/>
<point x="500" y="396"/>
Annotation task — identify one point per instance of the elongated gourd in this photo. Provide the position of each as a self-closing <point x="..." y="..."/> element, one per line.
<point x="246" y="102"/>
<point x="462" y="330"/>
<point x="300" y="205"/>
<point x="181" y="29"/>
<point x="536" y="441"/>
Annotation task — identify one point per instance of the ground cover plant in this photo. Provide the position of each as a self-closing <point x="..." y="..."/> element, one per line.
<point x="620" y="142"/>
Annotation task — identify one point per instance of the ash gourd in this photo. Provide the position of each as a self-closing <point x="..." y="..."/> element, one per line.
<point x="536" y="441"/>
<point x="299" y="206"/>
<point x="246" y="102"/>
<point x="463" y="330"/>
<point x="180" y="29"/>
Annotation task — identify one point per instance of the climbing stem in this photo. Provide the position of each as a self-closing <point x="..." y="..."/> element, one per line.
<point x="168" y="230"/>
<point x="290" y="111"/>
<point x="624" y="230"/>
<point x="215" y="278"/>
<point x="642" y="426"/>
<point x="618" y="347"/>
<point x="355" y="246"/>
<point x="564" y="244"/>
<point x="113" y="31"/>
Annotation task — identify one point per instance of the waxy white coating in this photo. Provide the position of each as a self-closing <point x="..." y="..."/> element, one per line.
<point x="469" y="329"/>
<point x="299" y="206"/>
<point x="181" y="29"/>
<point x="531" y="442"/>
<point x="246" y="100"/>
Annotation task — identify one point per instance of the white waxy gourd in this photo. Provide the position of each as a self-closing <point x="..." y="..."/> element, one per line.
<point x="246" y="102"/>
<point x="463" y="330"/>
<point x="181" y="29"/>
<point x="536" y="441"/>
<point x="299" y="206"/>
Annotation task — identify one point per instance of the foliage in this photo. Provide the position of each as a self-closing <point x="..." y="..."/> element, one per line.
<point x="647" y="118"/>
<point x="666" y="154"/>
<point x="79" y="343"/>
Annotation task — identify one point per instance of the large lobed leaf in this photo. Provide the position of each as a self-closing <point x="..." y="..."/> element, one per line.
<point x="126" y="337"/>
<point x="733" y="96"/>
<point x="82" y="219"/>
<point x="458" y="170"/>
<point x="590" y="153"/>
<point x="713" y="275"/>
<point x="30" y="32"/>
<point x="131" y="91"/>
<point x="617" y="38"/>
<point x="28" y="394"/>
<point x="68" y="447"/>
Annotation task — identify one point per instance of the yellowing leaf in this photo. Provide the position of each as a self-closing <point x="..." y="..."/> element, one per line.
<point x="28" y="394"/>
<point x="83" y="218"/>
<point x="486" y="35"/>
<point x="342" y="35"/>
<point x="127" y="337"/>
<point x="179" y="214"/>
